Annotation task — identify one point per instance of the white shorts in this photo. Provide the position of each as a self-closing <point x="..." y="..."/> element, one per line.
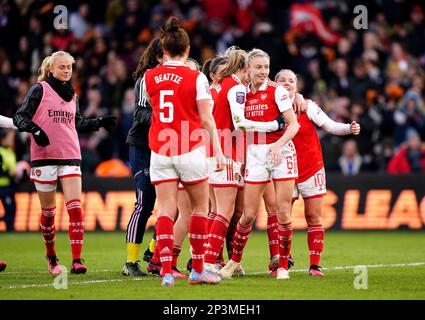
<point x="230" y="176"/>
<point x="45" y="178"/>
<point x="314" y="187"/>
<point x="260" y="168"/>
<point x="188" y="168"/>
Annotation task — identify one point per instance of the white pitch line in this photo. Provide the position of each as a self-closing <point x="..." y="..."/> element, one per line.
<point x="412" y="264"/>
<point x="79" y="282"/>
<point x="45" y="272"/>
<point x="402" y="265"/>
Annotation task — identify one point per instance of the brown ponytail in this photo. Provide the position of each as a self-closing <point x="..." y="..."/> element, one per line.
<point x="174" y="38"/>
<point x="237" y="61"/>
<point x="149" y="58"/>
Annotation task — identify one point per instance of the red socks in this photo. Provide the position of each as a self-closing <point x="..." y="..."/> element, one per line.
<point x="216" y="237"/>
<point x="76" y="228"/>
<point x="47" y="225"/>
<point x="198" y="235"/>
<point x="272" y="233"/>
<point x="285" y="242"/>
<point x="176" y="252"/>
<point x="315" y="238"/>
<point x="239" y="241"/>
<point x="211" y="217"/>
<point x="155" y="257"/>
<point x="231" y="230"/>
<point x="165" y="242"/>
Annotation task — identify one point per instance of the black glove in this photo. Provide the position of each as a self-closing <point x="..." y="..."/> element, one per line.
<point x="281" y="122"/>
<point x="108" y="122"/>
<point x="40" y="137"/>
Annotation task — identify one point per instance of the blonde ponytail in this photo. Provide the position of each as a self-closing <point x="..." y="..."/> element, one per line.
<point x="49" y="61"/>
<point x="237" y="61"/>
<point x="44" y="69"/>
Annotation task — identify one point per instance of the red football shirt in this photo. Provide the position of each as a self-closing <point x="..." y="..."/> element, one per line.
<point x="232" y="141"/>
<point x="307" y="143"/>
<point x="173" y="90"/>
<point x="267" y="104"/>
<point x="214" y="88"/>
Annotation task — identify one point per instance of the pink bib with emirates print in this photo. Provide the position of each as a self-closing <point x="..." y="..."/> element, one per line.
<point x="57" y="118"/>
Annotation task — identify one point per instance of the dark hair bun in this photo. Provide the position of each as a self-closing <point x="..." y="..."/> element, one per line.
<point x="172" y="24"/>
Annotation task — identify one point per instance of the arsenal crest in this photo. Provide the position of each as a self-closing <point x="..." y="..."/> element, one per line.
<point x="38" y="172"/>
<point x="263" y="96"/>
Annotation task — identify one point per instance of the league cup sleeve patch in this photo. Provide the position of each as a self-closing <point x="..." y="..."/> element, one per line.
<point x="240" y="97"/>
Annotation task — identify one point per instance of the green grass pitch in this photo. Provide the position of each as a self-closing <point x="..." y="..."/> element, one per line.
<point x="395" y="270"/>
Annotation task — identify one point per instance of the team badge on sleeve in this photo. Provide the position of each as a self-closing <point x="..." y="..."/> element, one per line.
<point x="240" y="97"/>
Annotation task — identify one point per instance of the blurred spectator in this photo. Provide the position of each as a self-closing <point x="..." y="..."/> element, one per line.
<point x="398" y="63"/>
<point x="7" y="88"/>
<point x="408" y="117"/>
<point x="410" y="158"/>
<point x="78" y="21"/>
<point x="125" y="123"/>
<point x="341" y="82"/>
<point x="7" y="176"/>
<point x="368" y="138"/>
<point x="374" y="75"/>
<point x="360" y="81"/>
<point x="350" y="163"/>
<point x="416" y="36"/>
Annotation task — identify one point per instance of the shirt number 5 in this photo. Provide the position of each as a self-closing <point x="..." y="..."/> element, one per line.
<point x="166" y="116"/>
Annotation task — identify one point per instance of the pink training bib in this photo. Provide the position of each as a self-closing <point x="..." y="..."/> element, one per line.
<point x="57" y="118"/>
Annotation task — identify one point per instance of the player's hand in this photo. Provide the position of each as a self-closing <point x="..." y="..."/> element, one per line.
<point x="355" y="128"/>
<point x="243" y="169"/>
<point x="281" y="123"/>
<point x="275" y="152"/>
<point x="220" y="161"/>
<point x="299" y="104"/>
<point x="40" y="137"/>
<point x="108" y="122"/>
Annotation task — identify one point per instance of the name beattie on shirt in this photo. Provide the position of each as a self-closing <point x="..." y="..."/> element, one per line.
<point x="168" y="77"/>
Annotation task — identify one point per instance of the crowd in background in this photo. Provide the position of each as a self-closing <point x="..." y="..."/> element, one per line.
<point x="374" y="76"/>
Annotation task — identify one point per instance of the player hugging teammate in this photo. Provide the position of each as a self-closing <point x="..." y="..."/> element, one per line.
<point x="225" y="144"/>
<point x="253" y="152"/>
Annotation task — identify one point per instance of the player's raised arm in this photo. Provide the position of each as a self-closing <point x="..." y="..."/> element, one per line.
<point x="316" y="114"/>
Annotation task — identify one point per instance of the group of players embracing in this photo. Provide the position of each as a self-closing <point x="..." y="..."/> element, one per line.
<point x="207" y="146"/>
<point x="217" y="142"/>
